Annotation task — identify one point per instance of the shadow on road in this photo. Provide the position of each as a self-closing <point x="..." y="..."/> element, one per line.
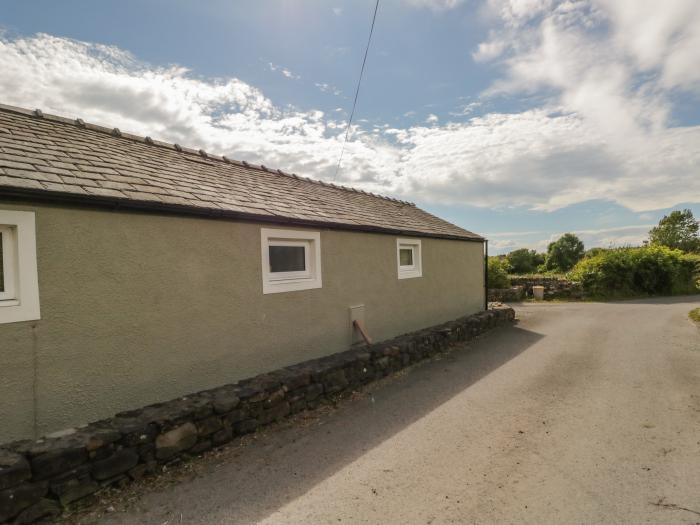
<point x="281" y="466"/>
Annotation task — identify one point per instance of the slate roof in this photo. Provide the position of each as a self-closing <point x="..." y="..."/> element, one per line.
<point x="53" y="157"/>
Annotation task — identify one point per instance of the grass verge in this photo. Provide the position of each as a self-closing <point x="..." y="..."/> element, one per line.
<point x="695" y="315"/>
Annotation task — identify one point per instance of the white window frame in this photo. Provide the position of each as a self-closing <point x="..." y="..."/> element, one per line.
<point x="276" y="282"/>
<point x="416" y="269"/>
<point x="20" y="300"/>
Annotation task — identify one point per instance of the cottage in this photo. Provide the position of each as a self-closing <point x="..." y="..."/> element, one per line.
<point x="135" y="271"/>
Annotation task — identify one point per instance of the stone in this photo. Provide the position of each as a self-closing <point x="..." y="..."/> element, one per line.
<point x="222" y="436"/>
<point x="200" y="447"/>
<point x="14" y="500"/>
<point x="274" y="398"/>
<point x="147" y="452"/>
<point x="236" y="415"/>
<point x="294" y="377"/>
<point x="101" y="453"/>
<point x="118" y="463"/>
<point x="261" y="383"/>
<point x="61" y="433"/>
<point x="225" y="402"/>
<point x="44" y="508"/>
<point x="70" y="489"/>
<point x="246" y="426"/>
<point x="209" y="425"/>
<point x="297" y="406"/>
<point x="175" y="441"/>
<point x="138" y="472"/>
<point x="135" y="431"/>
<point x="57" y="462"/>
<point x="100" y="438"/>
<point x="313" y="391"/>
<point x="275" y="413"/>
<point x="174" y="413"/>
<point x="120" y="481"/>
<point x="251" y="393"/>
<point x="14" y="469"/>
<point x="382" y="362"/>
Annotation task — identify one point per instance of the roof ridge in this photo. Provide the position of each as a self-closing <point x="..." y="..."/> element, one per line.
<point x="116" y="132"/>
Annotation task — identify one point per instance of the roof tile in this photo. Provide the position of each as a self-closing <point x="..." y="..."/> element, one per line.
<point x="57" y="155"/>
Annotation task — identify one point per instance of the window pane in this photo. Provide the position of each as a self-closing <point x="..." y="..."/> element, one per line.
<point x="406" y="256"/>
<point x="287" y="259"/>
<point x="2" y="277"/>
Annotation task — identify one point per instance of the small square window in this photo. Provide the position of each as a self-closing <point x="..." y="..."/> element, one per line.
<point x="291" y="260"/>
<point x="19" y="288"/>
<point x="409" y="258"/>
<point x="8" y="270"/>
<point x="406" y="257"/>
<point x="287" y="257"/>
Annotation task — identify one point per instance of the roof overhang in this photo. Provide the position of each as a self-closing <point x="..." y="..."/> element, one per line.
<point x="95" y="201"/>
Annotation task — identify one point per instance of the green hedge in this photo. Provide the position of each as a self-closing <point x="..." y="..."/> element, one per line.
<point x="498" y="273"/>
<point x="650" y="270"/>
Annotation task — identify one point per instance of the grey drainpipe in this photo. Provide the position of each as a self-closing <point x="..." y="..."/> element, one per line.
<point x="486" y="274"/>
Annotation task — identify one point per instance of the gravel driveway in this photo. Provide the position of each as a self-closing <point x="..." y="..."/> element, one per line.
<point x="581" y="413"/>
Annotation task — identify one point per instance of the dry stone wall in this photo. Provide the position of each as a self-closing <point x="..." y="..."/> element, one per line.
<point x="554" y="287"/>
<point x="39" y="478"/>
<point x="513" y="294"/>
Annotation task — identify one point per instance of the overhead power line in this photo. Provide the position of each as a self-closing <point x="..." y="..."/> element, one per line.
<point x="357" y="91"/>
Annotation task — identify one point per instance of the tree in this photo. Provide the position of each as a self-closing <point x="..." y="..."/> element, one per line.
<point x="564" y="253"/>
<point x="677" y="230"/>
<point x="524" y="260"/>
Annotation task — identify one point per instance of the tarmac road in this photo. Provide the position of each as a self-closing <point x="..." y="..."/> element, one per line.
<point x="581" y="413"/>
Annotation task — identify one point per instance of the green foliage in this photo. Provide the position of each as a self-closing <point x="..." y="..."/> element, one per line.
<point x="564" y="253"/>
<point x="693" y="259"/>
<point x="498" y="273"/>
<point x="677" y="230"/>
<point x="650" y="270"/>
<point x="695" y="315"/>
<point x="524" y="261"/>
<point x="592" y="252"/>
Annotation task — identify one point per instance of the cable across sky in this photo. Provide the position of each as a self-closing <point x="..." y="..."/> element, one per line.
<point x="357" y="91"/>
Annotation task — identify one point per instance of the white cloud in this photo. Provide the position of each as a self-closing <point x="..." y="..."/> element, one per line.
<point x="489" y="50"/>
<point x="432" y="119"/>
<point x="614" y="67"/>
<point x="283" y="71"/>
<point x="337" y="11"/>
<point x="328" y="88"/>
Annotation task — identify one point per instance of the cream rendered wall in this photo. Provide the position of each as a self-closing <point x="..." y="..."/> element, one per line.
<point x="142" y="307"/>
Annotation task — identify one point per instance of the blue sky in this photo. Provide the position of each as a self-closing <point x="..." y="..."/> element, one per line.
<point x="518" y="119"/>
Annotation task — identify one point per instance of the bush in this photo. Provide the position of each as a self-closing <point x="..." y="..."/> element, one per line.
<point x="498" y="273"/>
<point x="650" y="270"/>
<point x="524" y="261"/>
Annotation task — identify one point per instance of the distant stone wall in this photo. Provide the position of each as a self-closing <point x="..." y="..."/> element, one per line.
<point x="554" y="287"/>
<point x="38" y="478"/>
<point x="513" y="294"/>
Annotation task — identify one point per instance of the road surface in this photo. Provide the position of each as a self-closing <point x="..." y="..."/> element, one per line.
<point x="580" y="413"/>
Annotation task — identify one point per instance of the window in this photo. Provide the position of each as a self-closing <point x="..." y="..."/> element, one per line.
<point x="291" y="260"/>
<point x="408" y="254"/>
<point x="19" y="289"/>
